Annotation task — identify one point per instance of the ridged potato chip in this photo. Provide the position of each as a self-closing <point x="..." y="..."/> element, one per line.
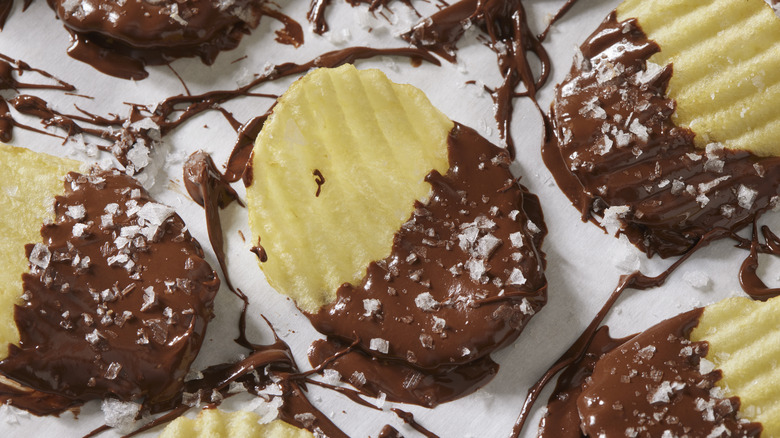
<point x="744" y="342"/>
<point x="726" y="60"/>
<point x="28" y="183"/>
<point x="336" y="171"/>
<point x="214" y="423"/>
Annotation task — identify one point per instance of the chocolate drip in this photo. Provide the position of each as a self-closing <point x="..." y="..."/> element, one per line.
<point x="748" y="277"/>
<point x="209" y="189"/>
<point x="101" y="315"/>
<point x="506" y="25"/>
<point x="389" y="431"/>
<point x="408" y="418"/>
<point x="434" y="307"/>
<point x="8" y="81"/>
<point x="611" y="143"/>
<point x="145" y="126"/>
<point x="561" y="420"/>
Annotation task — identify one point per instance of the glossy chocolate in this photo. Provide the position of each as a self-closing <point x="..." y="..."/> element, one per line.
<point x="612" y="144"/>
<point x="464" y="276"/>
<point x="655" y="384"/>
<point x="116" y="301"/>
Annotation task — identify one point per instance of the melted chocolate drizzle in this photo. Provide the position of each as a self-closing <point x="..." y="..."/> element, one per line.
<point x="506" y="25"/>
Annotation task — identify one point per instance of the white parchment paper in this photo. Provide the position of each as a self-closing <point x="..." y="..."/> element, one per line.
<point x="583" y="262"/>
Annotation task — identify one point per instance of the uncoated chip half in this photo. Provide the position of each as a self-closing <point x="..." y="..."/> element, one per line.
<point x="726" y="60"/>
<point x="335" y="173"/>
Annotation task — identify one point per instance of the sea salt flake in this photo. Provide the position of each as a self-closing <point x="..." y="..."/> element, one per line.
<point x="77" y="212"/>
<point x="526" y="307"/>
<point x="426" y="302"/>
<point x="697" y="279"/>
<point x="516" y="278"/>
<point x="113" y="370"/>
<point x="372" y="306"/>
<point x="358" y="379"/>
<point x="487" y="245"/>
<point x="661" y="394"/>
<point x="120" y="415"/>
<point x="476" y="269"/>
<point x="331" y="376"/>
<point x="149" y="298"/>
<point x="638" y="129"/>
<point x="517" y="239"/>
<point x="380" y="345"/>
<point x="40" y="256"/>
<point x="438" y="324"/>
<point x="746" y="196"/>
<point x="533" y="228"/>
<point x="611" y="218"/>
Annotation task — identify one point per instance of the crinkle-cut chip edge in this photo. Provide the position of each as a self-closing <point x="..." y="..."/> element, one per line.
<point x="213" y="423"/>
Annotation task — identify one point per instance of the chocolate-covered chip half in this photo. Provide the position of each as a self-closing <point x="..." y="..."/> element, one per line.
<point x="666" y="126"/>
<point x="108" y="295"/>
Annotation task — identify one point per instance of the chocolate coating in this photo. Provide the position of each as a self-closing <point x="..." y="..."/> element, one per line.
<point x="612" y="143"/>
<point x="116" y="301"/>
<point x="120" y="37"/>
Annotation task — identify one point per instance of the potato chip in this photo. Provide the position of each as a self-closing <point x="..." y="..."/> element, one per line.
<point x="726" y="60"/>
<point x="28" y="183"/>
<point x="336" y="172"/>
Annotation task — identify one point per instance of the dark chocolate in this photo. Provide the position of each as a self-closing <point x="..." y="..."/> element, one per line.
<point x="116" y="301"/>
<point x="464" y="276"/>
<point x="612" y="144"/>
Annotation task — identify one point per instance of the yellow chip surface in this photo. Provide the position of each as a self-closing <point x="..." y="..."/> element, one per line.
<point x="744" y="339"/>
<point x="214" y="423"/>
<point x="726" y="64"/>
<point x="336" y="171"/>
<point x="28" y="183"/>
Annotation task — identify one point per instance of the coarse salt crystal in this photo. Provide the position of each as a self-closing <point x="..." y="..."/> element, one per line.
<point x="76" y="211"/>
<point x="380" y="345"/>
<point x="120" y="415"/>
<point x="516" y="278"/>
<point x="746" y="196"/>
<point x="426" y="302"/>
<point x="372" y="306"/>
